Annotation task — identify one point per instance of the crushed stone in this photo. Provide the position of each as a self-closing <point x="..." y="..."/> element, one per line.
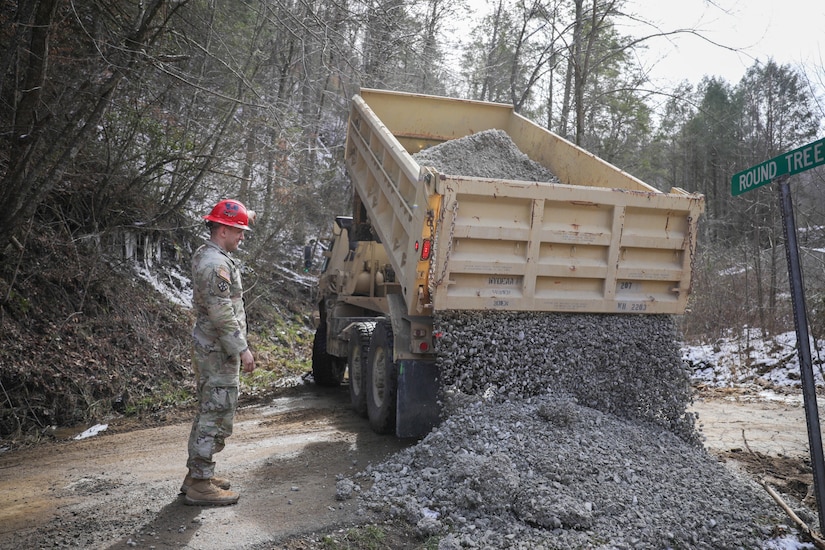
<point x="546" y="472"/>
<point x="627" y="365"/>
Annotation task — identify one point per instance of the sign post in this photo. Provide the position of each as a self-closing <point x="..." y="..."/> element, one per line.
<point x="803" y="341"/>
<point x="781" y="168"/>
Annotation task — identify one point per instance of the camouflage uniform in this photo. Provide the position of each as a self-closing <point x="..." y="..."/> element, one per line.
<point x="219" y="337"/>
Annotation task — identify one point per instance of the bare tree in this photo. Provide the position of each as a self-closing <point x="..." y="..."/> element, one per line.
<point x="51" y="110"/>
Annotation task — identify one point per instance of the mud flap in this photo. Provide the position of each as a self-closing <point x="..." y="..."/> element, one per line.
<point x="417" y="409"/>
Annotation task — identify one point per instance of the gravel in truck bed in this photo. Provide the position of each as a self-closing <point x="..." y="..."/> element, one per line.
<point x="488" y="154"/>
<point x="561" y="430"/>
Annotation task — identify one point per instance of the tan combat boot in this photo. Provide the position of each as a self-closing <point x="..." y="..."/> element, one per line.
<point x="203" y="493"/>
<point x="221" y="482"/>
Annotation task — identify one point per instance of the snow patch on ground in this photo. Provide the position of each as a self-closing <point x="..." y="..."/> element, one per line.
<point x="748" y="358"/>
<point x="171" y="283"/>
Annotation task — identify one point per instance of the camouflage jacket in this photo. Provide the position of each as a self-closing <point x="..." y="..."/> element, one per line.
<point x="220" y="319"/>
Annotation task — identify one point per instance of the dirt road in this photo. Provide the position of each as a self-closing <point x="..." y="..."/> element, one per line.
<point x="120" y="489"/>
<point x="762" y="422"/>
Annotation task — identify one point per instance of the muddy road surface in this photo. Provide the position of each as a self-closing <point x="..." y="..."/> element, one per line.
<point x="119" y="489"/>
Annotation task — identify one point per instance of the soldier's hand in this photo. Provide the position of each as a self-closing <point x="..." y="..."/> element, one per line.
<point x="248" y="361"/>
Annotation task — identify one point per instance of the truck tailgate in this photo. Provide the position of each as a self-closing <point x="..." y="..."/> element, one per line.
<point x="556" y="247"/>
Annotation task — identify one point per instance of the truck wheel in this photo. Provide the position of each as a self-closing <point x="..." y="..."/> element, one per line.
<point x="327" y="370"/>
<point x="382" y="380"/>
<point x="357" y="357"/>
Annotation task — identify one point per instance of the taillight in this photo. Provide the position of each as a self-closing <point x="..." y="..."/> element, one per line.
<point x="426" y="248"/>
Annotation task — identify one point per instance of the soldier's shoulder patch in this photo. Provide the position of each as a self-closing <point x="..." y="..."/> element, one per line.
<point x="223" y="273"/>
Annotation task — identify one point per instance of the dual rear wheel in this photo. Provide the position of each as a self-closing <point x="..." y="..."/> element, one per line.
<point x="373" y="375"/>
<point x="382" y="380"/>
<point x="357" y="357"/>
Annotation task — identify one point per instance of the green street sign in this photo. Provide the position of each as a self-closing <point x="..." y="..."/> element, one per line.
<point x="790" y="163"/>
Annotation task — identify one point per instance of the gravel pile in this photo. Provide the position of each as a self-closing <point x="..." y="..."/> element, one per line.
<point x="627" y="365"/>
<point x="561" y="430"/>
<point x="548" y="473"/>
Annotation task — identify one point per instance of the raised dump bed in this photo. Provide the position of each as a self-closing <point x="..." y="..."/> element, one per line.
<point x="599" y="241"/>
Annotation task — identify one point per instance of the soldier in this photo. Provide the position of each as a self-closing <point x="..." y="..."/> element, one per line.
<point x="219" y="348"/>
<point x="309" y="251"/>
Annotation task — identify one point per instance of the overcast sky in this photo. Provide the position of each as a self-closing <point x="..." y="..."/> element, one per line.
<point x="790" y="31"/>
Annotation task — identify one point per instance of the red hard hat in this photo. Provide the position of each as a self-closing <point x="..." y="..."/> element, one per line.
<point x="231" y="213"/>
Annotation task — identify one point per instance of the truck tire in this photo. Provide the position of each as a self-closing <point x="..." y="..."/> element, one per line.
<point x="382" y="380"/>
<point x="357" y="357"/>
<point x="327" y="370"/>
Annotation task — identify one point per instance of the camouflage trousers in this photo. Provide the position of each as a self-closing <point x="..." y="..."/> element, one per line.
<point x="217" y="381"/>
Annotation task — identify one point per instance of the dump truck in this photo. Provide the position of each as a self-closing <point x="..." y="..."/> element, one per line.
<point x="419" y="241"/>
